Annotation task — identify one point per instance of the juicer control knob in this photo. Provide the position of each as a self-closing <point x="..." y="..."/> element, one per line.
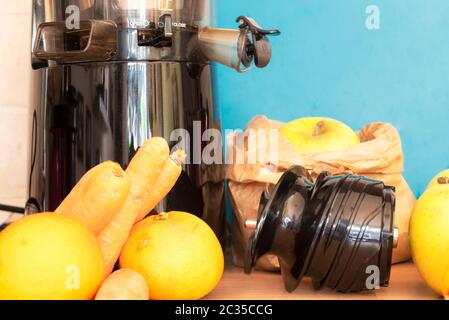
<point x="160" y="36"/>
<point x="258" y="45"/>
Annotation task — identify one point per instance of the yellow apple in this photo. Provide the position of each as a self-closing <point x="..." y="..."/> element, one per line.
<point x="441" y="179"/>
<point x="429" y="237"/>
<point x="316" y="135"/>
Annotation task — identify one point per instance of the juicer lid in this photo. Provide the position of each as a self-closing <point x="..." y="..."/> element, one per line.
<point x="86" y="31"/>
<point x="125" y="13"/>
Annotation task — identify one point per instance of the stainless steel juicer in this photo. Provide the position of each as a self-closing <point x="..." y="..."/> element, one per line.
<point x="109" y="74"/>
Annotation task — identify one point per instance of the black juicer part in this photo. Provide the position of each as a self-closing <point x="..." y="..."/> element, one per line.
<point x="334" y="231"/>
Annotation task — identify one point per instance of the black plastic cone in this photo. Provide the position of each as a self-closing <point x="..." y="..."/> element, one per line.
<point x="335" y="231"/>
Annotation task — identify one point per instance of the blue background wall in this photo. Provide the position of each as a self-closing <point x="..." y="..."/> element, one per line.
<point x="327" y="63"/>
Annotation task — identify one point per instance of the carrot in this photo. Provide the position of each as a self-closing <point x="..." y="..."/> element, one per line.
<point x="80" y="187"/>
<point x="97" y="197"/>
<point x="124" y="284"/>
<point x="164" y="183"/>
<point x="143" y="170"/>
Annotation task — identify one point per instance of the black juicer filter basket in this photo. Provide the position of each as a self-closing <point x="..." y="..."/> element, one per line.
<point x="338" y="231"/>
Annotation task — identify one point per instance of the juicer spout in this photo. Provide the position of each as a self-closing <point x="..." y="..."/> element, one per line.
<point x="238" y="48"/>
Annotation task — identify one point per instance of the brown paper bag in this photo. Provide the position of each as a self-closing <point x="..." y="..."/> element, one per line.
<point x="379" y="157"/>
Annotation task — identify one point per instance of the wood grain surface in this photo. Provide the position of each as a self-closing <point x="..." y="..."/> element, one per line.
<point x="406" y="284"/>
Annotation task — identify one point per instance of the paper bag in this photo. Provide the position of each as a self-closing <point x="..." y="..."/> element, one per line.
<point x="379" y="156"/>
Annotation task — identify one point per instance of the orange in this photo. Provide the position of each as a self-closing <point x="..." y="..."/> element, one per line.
<point x="49" y="257"/>
<point x="178" y="255"/>
<point x="446" y="286"/>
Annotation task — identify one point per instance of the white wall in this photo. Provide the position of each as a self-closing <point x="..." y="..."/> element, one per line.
<point x="15" y="71"/>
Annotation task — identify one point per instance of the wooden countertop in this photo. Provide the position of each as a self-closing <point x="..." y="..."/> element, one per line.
<point x="405" y="284"/>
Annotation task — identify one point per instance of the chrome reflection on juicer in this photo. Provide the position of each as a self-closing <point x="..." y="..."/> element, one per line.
<point x="334" y="231"/>
<point x="133" y="70"/>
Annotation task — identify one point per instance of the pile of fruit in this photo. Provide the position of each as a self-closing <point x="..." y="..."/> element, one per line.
<point x="71" y="253"/>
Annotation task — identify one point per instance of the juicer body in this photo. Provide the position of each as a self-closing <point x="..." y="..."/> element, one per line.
<point x="90" y="113"/>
